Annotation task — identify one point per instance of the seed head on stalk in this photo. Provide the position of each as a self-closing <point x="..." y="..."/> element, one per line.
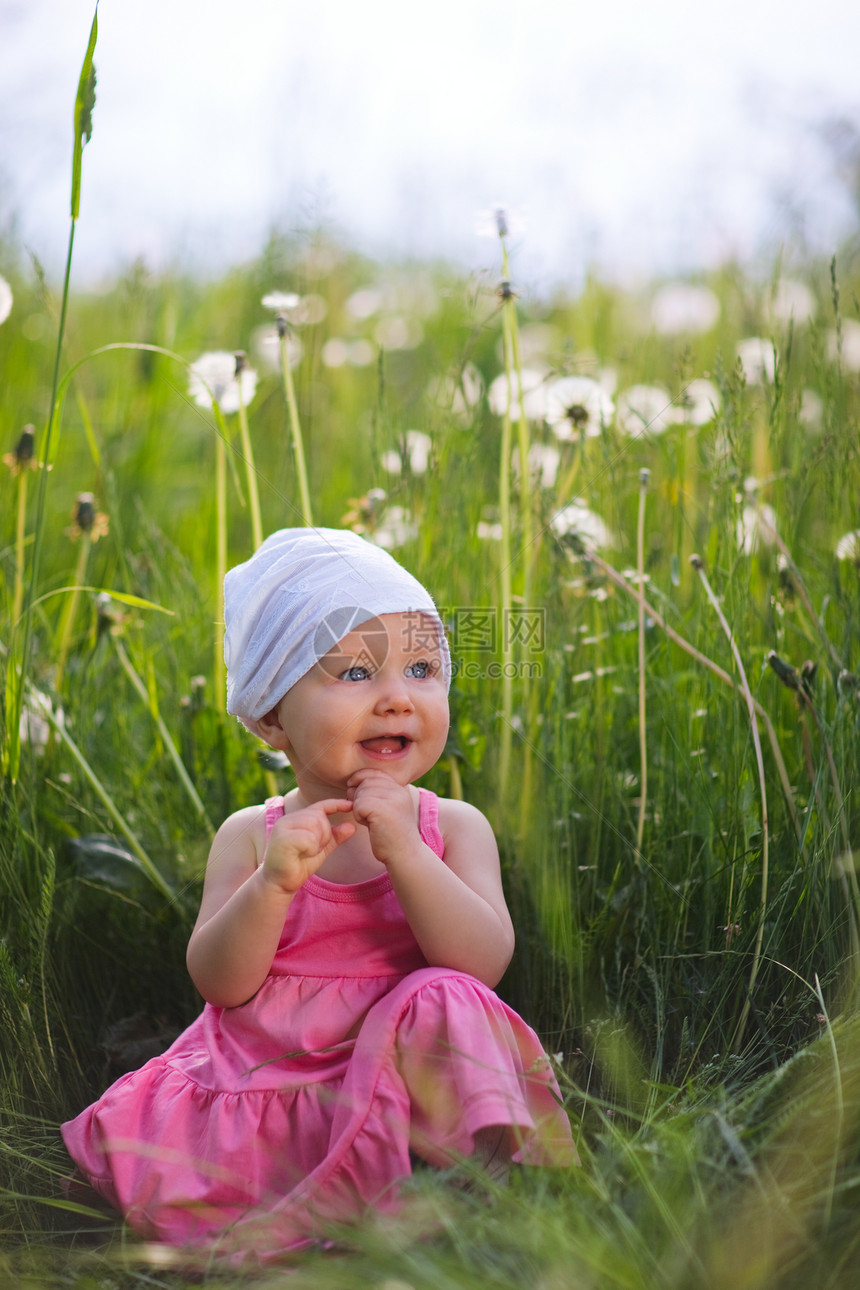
<point x="20" y="461"/>
<point x="88" y="525"/>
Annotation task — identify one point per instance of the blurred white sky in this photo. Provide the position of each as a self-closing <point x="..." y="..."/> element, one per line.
<point x="644" y="137"/>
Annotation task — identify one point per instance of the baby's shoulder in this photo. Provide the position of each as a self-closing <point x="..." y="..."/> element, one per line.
<point x="456" y="815"/>
<point x="242" y="835"/>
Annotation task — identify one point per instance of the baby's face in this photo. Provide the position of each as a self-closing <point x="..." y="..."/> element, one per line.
<point x="377" y="699"/>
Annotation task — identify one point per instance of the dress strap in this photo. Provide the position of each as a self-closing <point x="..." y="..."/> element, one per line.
<point x="274" y="811"/>
<point x="428" y="821"/>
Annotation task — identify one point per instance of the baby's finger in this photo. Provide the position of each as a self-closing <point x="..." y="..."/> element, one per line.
<point x="332" y="805"/>
<point x="340" y="832"/>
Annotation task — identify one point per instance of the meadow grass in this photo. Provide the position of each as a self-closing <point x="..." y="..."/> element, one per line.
<point x="668" y="751"/>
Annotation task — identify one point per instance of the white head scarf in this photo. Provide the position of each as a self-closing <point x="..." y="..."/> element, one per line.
<point x="300" y="593"/>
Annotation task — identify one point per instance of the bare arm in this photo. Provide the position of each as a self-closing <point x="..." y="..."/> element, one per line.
<point x="455" y="907"/>
<point x="248" y="889"/>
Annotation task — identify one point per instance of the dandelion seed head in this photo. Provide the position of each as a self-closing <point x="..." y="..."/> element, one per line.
<point x="544" y="461"/>
<point x="848" y="547"/>
<point x="645" y="409"/>
<point x="810" y="414"/>
<point x="489" y="531"/>
<point x="266" y="346"/>
<point x="578" y="519"/>
<point x="850" y="345"/>
<point x="699" y="403"/>
<point x="6" y="300"/>
<point x="791" y="300"/>
<point x="577" y="405"/>
<point x="528" y="396"/>
<point x="34" y="726"/>
<point x="396" y="529"/>
<point x="417" y="446"/>
<point x="680" y="307"/>
<point x="756" y="528"/>
<point x="459" y="393"/>
<point x="757" y="359"/>
<point x="213" y="376"/>
<point x="282" y="302"/>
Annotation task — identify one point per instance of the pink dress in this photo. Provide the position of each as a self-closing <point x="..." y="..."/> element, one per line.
<point x="265" y="1123"/>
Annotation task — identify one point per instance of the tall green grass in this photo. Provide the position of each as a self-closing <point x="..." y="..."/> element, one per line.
<point x="701" y="1010"/>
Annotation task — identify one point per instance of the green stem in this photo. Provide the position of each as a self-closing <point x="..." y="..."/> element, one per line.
<point x="505" y="590"/>
<point x="643" y="749"/>
<point x="67" y="622"/>
<point x="20" y="535"/>
<point x="220" y="560"/>
<point x="19" y="659"/>
<point x="150" y="702"/>
<point x="247" y="453"/>
<point x="295" y="427"/>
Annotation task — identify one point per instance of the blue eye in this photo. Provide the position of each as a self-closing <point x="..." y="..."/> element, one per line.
<point x="357" y="673"/>
<point x="419" y="671"/>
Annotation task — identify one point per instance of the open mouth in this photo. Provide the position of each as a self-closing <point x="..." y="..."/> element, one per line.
<point x="386" y="745"/>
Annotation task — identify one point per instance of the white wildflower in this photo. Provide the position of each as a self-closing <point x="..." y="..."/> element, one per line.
<point x="213" y="376"/>
<point x="699" y="403"/>
<point x="489" y="531"/>
<point x="396" y="528"/>
<point x="544" y="461"/>
<point x="35" y="726"/>
<point x="576" y="404"/>
<point x="850" y="345"/>
<point x="458" y="394"/>
<point x="758" y="359"/>
<point x="682" y="307"/>
<point x="301" y="311"/>
<point x="790" y="299"/>
<point x="532" y="390"/>
<point x="418" y="446"/>
<point x="577" y="518"/>
<point x="266" y="347"/>
<point x="281" y="302"/>
<point x="811" y="411"/>
<point x="756" y="528"/>
<point x="6" y="300"/>
<point x="848" y="547"/>
<point x="645" y="408"/>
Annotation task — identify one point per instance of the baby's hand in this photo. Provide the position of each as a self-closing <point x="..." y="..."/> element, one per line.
<point x="301" y="840"/>
<point x="387" y="809"/>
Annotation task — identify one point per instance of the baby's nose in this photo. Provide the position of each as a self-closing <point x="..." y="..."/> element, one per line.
<point x="394" y="695"/>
